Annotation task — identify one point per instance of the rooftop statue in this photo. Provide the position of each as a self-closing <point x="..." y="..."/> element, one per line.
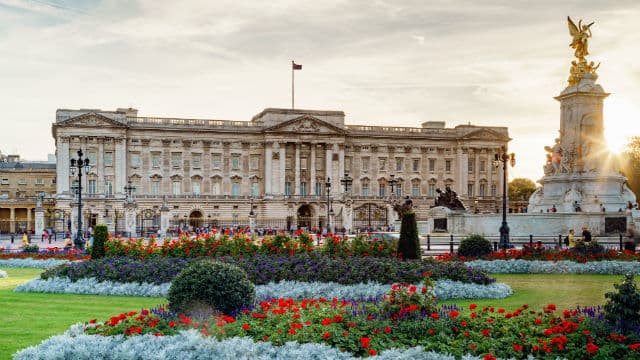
<point x="580" y="42"/>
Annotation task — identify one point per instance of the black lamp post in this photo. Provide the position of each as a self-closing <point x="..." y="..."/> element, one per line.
<point x="80" y="164"/>
<point x="327" y="187"/>
<point x="393" y="182"/>
<point x="346" y="181"/>
<point x="504" y="158"/>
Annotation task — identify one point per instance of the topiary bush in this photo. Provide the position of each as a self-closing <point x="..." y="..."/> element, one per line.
<point x="475" y="246"/>
<point x="221" y="286"/>
<point x="100" y="234"/>
<point x="409" y="243"/>
<point x="622" y="310"/>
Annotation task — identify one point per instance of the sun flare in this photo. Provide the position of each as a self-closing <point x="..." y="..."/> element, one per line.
<point x="619" y="126"/>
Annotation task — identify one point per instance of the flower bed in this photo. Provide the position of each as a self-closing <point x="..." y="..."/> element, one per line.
<point x="585" y="254"/>
<point x="3" y="274"/>
<point x="357" y="329"/>
<point x="48" y="253"/>
<point x="555" y="267"/>
<point x="216" y="245"/>
<point x="444" y="290"/>
<point x="262" y="269"/>
<point x="32" y="263"/>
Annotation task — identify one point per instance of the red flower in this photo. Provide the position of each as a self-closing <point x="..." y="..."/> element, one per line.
<point x="326" y="335"/>
<point x="634" y="347"/>
<point x="292" y="331"/>
<point x="172" y="323"/>
<point x="489" y="357"/>
<point x="473" y="306"/>
<point x="364" y="341"/>
<point x="517" y="347"/>
<point x="486" y="332"/>
<point x="454" y="314"/>
<point x="326" y="321"/>
<point x="472" y="346"/>
<point x="387" y="329"/>
<point x="372" y="352"/>
<point x="246" y="327"/>
<point x="434" y="315"/>
<point x="592" y="348"/>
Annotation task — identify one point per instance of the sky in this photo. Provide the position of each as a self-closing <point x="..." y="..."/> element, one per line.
<point x="400" y="63"/>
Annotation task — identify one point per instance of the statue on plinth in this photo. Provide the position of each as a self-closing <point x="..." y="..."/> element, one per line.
<point x="580" y="42"/>
<point x="448" y="198"/>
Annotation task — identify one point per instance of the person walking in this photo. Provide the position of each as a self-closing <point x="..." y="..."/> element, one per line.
<point x="586" y="234"/>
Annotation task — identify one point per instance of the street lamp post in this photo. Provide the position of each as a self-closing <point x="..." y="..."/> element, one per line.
<point x="346" y="181"/>
<point x="327" y="186"/>
<point x="129" y="188"/>
<point x="504" y="158"/>
<point x="252" y="216"/>
<point x="80" y="164"/>
<point x="393" y="182"/>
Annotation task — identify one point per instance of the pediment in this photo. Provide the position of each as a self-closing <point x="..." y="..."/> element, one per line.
<point x="91" y="119"/>
<point x="306" y="124"/>
<point x="483" y="134"/>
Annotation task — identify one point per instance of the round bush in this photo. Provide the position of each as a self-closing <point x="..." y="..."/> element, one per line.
<point x="222" y="287"/>
<point x="475" y="246"/>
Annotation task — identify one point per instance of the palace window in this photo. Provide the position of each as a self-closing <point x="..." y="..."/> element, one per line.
<point x="39" y="181"/>
<point x="319" y="188"/>
<point x="92" y="157"/>
<point x="155" y="187"/>
<point x="493" y="190"/>
<point x="4" y="182"/>
<point x="255" y="162"/>
<point x="176" y="160"/>
<point x="155" y="160"/>
<point x="216" y="161"/>
<point x="303" y="188"/>
<point x="215" y="187"/>
<point x="399" y="189"/>
<point x="108" y="187"/>
<point x="255" y="188"/>
<point x="288" y="163"/>
<point x="365" y="164"/>
<point x="176" y="187"/>
<point x="416" y="165"/>
<point x="432" y="189"/>
<point x="483" y="165"/>
<point x="381" y="189"/>
<point x="91" y="187"/>
<point x="483" y="189"/>
<point x="432" y="165"/>
<point x="196" y="161"/>
<point x="399" y="162"/>
<point x="470" y="189"/>
<point x="287" y="188"/>
<point x="235" y="162"/>
<point x="447" y="165"/>
<point x="364" y="190"/>
<point x="347" y="163"/>
<point x="470" y="163"/>
<point x="382" y="164"/>
<point x="415" y="189"/>
<point x="135" y="160"/>
<point x="303" y="163"/>
<point x="108" y="158"/>
<point x="235" y="188"/>
<point x="22" y="181"/>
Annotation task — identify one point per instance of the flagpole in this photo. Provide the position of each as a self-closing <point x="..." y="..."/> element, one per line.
<point x="292" y="86"/>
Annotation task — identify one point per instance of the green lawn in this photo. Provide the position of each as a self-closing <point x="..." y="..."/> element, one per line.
<point x="29" y="318"/>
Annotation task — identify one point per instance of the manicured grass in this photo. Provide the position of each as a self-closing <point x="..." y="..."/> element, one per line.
<point x="565" y="291"/>
<point x="29" y="318"/>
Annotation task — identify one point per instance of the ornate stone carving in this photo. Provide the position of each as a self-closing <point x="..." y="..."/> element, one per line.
<point x="306" y="126"/>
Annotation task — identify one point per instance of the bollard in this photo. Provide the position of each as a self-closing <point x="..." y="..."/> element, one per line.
<point x="12" y="238"/>
<point x="495" y="246"/>
<point x="42" y="238"/>
<point x="560" y="241"/>
<point x="531" y="240"/>
<point x="621" y="246"/>
<point x="451" y="244"/>
<point x="428" y="242"/>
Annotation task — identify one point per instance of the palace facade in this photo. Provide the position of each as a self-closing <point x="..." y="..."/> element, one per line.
<point x="285" y="167"/>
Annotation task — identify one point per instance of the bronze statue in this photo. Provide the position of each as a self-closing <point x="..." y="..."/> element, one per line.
<point x="448" y="198"/>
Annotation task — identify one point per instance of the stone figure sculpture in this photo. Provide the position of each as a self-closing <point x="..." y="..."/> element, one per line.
<point x="448" y="198"/>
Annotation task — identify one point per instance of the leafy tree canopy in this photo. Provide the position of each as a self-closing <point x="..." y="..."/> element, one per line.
<point x="520" y="189"/>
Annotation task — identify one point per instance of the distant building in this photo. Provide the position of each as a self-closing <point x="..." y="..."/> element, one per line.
<point x="208" y="172"/>
<point x="20" y="184"/>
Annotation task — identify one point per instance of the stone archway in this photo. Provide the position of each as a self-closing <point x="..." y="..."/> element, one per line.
<point x="196" y="219"/>
<point x="305" y="217"/>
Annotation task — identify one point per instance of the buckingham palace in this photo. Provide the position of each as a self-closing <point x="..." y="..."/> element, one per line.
<point x="286" y="168"/>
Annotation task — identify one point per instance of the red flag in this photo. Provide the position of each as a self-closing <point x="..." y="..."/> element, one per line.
<point x="296" y="66"/>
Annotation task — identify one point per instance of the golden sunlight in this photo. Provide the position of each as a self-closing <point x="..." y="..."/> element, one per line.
<point x="619" y="125"/>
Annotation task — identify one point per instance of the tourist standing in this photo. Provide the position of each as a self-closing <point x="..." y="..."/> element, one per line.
<point x="572" y="239"/>
<point x="586" y="234"/>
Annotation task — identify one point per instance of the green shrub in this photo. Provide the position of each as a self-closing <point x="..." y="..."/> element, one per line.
<point x="588" y="248"/>
<point x="622" y="310"/>
<point x="475" y="246"/>
<point x="221" y="286"/>
<point x="100" y="234"/>
<point x="31" y="248"/>
<point x="409" y="243"/>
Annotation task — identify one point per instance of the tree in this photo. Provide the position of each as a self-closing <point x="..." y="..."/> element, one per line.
<point x="520" y="189"/>
<point x="630" y="164"/>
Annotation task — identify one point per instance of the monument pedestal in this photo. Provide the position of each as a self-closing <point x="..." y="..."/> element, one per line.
<point x="130" y="219"/>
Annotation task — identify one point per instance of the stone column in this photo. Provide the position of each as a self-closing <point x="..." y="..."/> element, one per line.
<point x="28" y="218"/>
<point x="341" y="167"/>
<point x="283" y="159"/>
<point x="12" y="218"/>
<point x="462" y="177"/>
<point x="329" y="164"/>
<point x="120" y="165"/>
<point x="297" y="169"/>
<point x="39" y="221"/>
<point x="347" y="216"/>
<point x="312" y="171"/>
<point x="268" y="172"/>
<point x="100" y="166"/>
<point x="62" y="166"/>
<point x="165" y="215"/>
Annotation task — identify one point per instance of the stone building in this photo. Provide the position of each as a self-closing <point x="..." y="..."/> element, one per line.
<point x="20" y="185"/>
<point x="198" y="173"/>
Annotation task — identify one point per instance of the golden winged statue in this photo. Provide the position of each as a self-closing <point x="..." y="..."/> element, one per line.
<point x="581" y="35"/>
